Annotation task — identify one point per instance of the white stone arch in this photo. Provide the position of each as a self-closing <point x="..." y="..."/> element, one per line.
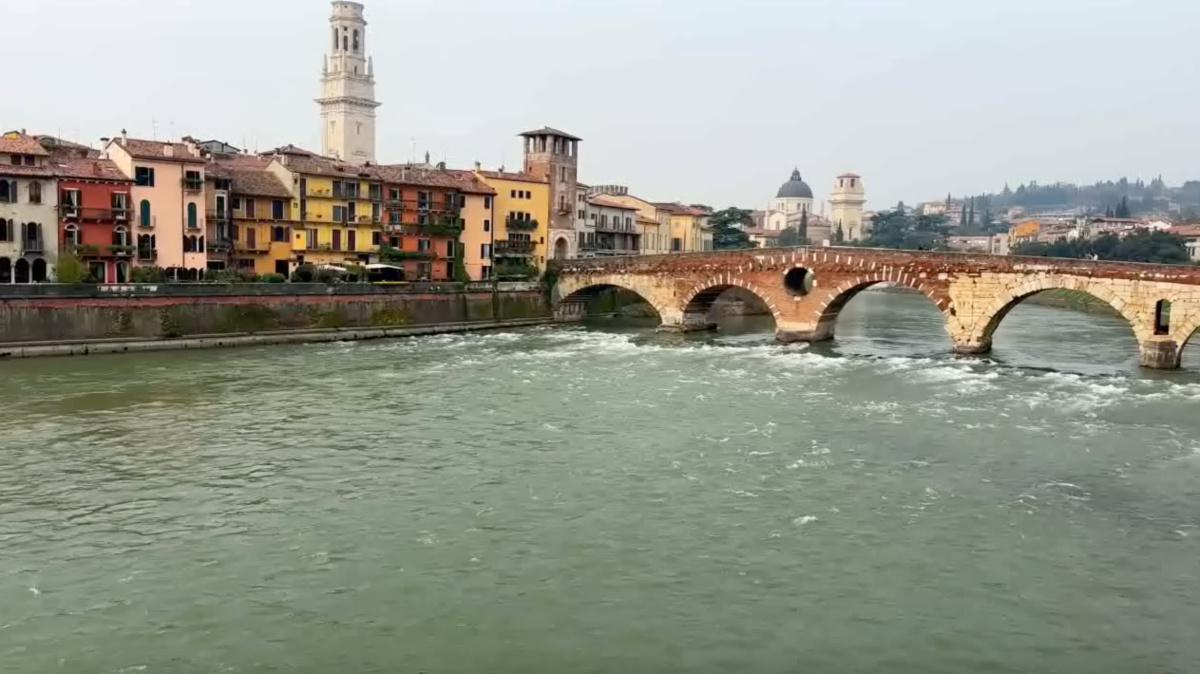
<point x="701" y="296"/>
<point x="578" y="289"/>
<point x="988" y="320"/>
<point x="560" y="247"/>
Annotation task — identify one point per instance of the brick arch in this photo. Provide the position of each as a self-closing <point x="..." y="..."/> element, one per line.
<point x="700" y="297"/>
<point x="836" y="299"/>
<point x="988" y="320"/>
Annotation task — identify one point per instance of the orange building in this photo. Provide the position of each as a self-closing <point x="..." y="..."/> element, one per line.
<point x="422" y="220"/>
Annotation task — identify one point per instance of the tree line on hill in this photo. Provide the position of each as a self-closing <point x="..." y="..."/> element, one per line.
<point x="1117" y="198"/>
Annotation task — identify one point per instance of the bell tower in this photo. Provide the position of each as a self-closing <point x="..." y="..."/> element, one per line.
<point x="348" y="88"/>
<point x="846" y="205"/>
<point x="553" y="155"/>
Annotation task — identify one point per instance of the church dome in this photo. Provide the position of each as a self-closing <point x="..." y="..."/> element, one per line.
<point x="795" y="188"/>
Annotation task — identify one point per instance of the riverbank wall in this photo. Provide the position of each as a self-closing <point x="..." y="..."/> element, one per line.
<point x="65" y="320"/>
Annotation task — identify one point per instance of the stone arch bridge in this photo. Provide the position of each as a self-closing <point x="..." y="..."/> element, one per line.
<point x="806" y="288"/>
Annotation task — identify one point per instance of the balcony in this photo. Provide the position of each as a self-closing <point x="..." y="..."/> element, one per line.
<point x="513" y="249"/>
<point x="83" y="250"/>
<point x="220" y="246"/>
<point x="33" y="244"/>
<point x="122" y="251"/>
<point x="148" y="224"/>
<point x="519" y="225"/>
<point x="78" y="214"/>
<point x="147" y="254"/>
<point x="193" y="184"/>
<point x="257" y="248"/>
<point x="217" y="218"/>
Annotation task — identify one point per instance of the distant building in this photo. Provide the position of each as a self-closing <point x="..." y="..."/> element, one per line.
<point x="616" y="230"/>
<point x="847" y="205"/>
<point x="993" y="244"/>
<point x="792" y="202"/>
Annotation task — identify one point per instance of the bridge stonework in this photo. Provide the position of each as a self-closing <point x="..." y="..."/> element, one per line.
<point x="973" y="292"/>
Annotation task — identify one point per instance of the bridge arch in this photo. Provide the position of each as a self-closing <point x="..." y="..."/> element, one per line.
<point x="977" y="337"/>
<point x="700" y="298"/>
<point x="571" y="296"/>
<point x="836" y="299"/>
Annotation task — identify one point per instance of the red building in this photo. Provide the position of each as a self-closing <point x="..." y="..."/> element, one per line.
<point x="94" y="213"/>
<point x="422" y="209"/>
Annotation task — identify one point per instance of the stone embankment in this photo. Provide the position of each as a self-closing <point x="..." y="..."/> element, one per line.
<point x="69" y="320"/>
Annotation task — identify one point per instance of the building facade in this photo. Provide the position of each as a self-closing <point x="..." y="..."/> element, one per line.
<point x="654" y="226"/>
<point x="521" y="210"/>
<point x="169" y="202"/>
<point x="614" y="225"/>
<point x="687" y="227"/>
<point x="337" y="206"/>
<point x="553" y="156"/>
<point x="847" y="206"/>
<point x="478" y="235"/>
<point x="347" y="99"/>
<point x="95" y="214"/>
<point x="28" y="211"/>
<point x="423" y="218"/>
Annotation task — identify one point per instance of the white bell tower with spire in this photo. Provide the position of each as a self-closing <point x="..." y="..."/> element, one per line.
<point x="348" y="88"/>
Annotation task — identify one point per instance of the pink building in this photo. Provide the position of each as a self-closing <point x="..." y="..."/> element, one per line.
<point x="168" y="203"/>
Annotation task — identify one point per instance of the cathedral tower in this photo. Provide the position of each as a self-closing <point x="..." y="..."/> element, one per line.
<point x="847" y="204"/>
<point x="348" y="88"/>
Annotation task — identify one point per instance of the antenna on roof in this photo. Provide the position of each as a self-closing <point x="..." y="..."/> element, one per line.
<point x="154" y="129"/>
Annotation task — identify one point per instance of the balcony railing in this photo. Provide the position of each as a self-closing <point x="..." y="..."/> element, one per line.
<point x="147" y="224"/>
<point x="217" y="217"/>
<point x="147" y="254"/>
<point x="513" y="249"/>
<point x="520" y="225"/>
<point x="220" y="245"/>
<point x="69" y="212"/>
<point x="193" y="184"/>
<point x="33" y="244"/>
<point x="256" y="247"/>
<point x="122" y="251"/>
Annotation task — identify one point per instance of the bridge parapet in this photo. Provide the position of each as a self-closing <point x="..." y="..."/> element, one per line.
<point x="806" y="288"/>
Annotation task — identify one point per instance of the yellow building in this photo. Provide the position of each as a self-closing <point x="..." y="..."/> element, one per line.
<point x="522" y="221"/>
<point x="688" y="227"/>
<point x="1024" y="232"/>
<point x="338" y="206"/>
<point x="251" y="216"/>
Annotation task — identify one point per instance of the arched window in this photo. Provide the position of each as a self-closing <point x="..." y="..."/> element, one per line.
<point x="144" y="219"/>
<point x="6" y="233"/>
<point x="1162" y="317"/>
<point x="335" y="38"/>
<point x="39" y="271"/>
<point x="192" y="222"/>
<point x="7" y="193"/>
<point x="35" y="192"/>
<point x="345" y="43"/>
<point x="120" y="236"/>
<point x="71" y="233"/>
<point x="200" y="246"/>
<point x="355" y="40"/>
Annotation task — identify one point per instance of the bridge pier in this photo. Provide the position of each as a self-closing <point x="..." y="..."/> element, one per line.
<point x="570" y="312"/>
<point x="687" y="322"/>
<point x="1159" y="353"/>
<point x="790" y="333"/>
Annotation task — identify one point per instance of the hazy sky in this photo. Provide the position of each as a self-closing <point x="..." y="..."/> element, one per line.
<point x="690" y="100"/>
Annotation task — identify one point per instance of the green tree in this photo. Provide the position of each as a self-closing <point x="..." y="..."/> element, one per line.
<point x="72" y="270"/>
<point x="729" y="228"/>
<point x="1141" y="246"/>
<point x="804" y="224"/>
<point x="791" y="237"/>
<point x="1123" y="208"/>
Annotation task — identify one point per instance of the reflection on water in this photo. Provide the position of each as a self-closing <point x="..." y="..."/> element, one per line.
<point x="608" y="499"/>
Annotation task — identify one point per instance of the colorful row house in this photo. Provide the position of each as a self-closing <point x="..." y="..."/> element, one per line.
<point x="250" y="217"/>
<point x="95" y="207"/>
<point x="522" y="223"/>
<point x="169" y="203"/>
<point x="28" y="210"/>
<point x="423" y="209"/>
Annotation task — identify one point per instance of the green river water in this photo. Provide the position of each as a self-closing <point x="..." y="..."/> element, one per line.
<point x="607" y="499"/>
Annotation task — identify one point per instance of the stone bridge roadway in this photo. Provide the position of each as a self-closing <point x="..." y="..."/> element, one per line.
<point x="806" y="288"/>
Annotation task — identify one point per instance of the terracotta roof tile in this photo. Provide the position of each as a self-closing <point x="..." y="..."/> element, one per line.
<point x="303" y="161"/>
<point x="87" y="168"/>
<point x="157" y="150"/>
<point x="249" y="175"/>
<point x="549" y="131"/>
<point x="676" y="208"/>
<point x="609" y="202"/>
<point x="15" y="142"/>
<point x="515" y="177"/>
<point x="471" y="183"/>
